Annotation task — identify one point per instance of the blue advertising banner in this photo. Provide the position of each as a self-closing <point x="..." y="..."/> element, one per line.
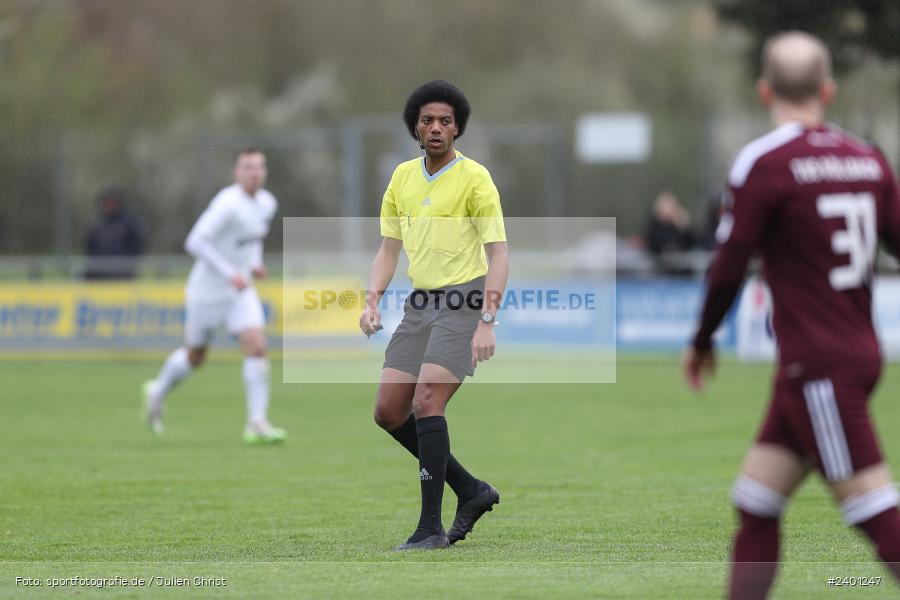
<point x="661" y="314"/>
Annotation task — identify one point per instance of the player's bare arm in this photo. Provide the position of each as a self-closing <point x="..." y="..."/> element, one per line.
<point x="383" y="268"/>
<point x="484" y="341"/>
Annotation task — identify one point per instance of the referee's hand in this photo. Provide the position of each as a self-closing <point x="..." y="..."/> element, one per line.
<point x="483" y="343"/>
<point x="369" y="319"/>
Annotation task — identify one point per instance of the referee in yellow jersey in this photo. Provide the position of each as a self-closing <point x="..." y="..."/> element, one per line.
<point x="443" y="209"/>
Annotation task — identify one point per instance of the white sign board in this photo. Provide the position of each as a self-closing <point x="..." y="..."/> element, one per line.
<point x="613" y="137"/>
<point x="755" y="337"/>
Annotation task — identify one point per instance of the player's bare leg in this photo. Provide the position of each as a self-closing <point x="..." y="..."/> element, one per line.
<point x="775" y="467"/>
<point x="257" y="377"/>
<point x="196" y="356"/>
<point x="177" y="366"/>
<point x="868" y="501"/>
<point x="769" y="476"/>
<point x="393" y="401"/>
<point x="434" y="388"/>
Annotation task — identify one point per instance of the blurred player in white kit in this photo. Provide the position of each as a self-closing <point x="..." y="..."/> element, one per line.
<point x="227" y="241"/>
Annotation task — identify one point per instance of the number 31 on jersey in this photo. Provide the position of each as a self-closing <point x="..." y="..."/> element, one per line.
<point x="859" y="240"/>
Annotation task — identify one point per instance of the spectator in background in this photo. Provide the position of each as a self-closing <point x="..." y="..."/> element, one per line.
<point x="668" y="229"/>
<point x="115" y="240"/>
<point x="668" y="232"/>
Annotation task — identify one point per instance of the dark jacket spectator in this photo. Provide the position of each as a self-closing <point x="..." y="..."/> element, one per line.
<point x="668" y="229"/>
<point x="115" y="240"/>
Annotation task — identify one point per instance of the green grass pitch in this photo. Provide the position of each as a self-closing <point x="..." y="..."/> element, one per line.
<point x="608" y="491"/>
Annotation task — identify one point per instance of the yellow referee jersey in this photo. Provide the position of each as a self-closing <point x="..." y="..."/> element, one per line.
<point x="444" y="220"/>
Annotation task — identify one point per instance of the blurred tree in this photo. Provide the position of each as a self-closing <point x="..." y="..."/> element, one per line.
<point x="854" y="30"/>
<point x="851" y="28"/>
<point x="139" y="87"/>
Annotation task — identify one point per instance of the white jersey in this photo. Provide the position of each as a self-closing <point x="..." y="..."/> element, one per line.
<point x="227" y="240"/>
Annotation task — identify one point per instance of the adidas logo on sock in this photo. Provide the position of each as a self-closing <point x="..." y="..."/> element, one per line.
<point x="424" y="475"/>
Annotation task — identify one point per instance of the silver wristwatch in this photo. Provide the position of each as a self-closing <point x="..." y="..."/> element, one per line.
<point x="489" y="319"/>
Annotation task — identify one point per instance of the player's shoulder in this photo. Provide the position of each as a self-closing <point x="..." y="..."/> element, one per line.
<point x="229" y="193"/>
<point x="760" y="149"/>
<point x="855" y="145"/>
<point x="405" y="173"/>
<point x="848" y="140"/>
<point x="226" y="198"/>
<point x="407" y="168"/>
<point x="469" y="167"/>
<point x="267" y="198"/>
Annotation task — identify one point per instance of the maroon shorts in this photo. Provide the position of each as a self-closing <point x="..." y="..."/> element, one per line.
<point x="822" y="415"/>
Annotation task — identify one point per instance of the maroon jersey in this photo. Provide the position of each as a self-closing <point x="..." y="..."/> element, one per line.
<point x="813" y="203"/>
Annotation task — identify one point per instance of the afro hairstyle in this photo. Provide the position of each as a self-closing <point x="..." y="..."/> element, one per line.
<point x="436" y="91"/>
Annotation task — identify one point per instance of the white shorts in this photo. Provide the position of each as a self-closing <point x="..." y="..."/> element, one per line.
<point x="237" y="313"/>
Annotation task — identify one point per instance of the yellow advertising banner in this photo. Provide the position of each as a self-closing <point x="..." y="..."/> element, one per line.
<point x="154" y="311"/>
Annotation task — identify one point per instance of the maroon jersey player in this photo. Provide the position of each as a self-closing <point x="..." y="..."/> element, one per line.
<point x="813" y="201"/>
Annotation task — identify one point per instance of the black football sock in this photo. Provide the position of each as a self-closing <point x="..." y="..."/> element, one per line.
<point x="460" y="481"/>
<point x="407" y="436"/>
<point x="434" y="448"/>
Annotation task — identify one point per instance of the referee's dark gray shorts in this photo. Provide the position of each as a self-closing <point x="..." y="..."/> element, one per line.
<point x="437" y="328"/>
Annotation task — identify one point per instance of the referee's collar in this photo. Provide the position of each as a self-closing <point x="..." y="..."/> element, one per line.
<point x="442" y="170"/>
